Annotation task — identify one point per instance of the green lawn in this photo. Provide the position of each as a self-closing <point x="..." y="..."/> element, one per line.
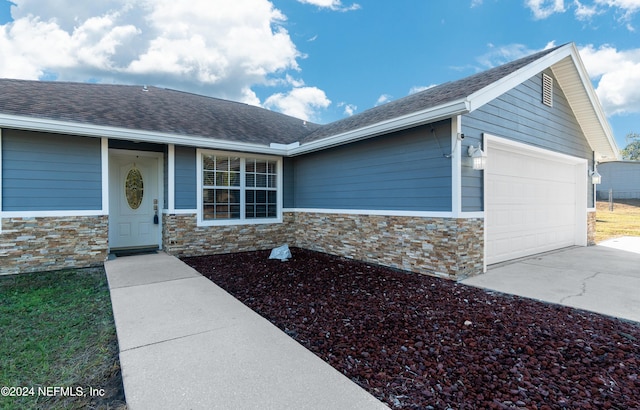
<point x="58" y="341"/>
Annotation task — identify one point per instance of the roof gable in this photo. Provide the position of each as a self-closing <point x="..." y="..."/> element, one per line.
<point x="443" y="95"/>
<point x="470" y="93"/>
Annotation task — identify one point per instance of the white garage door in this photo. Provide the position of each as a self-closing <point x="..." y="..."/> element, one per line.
<point x="535" y="201"/>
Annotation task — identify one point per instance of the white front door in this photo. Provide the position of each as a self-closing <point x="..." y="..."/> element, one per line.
<point x="134" y="200"/>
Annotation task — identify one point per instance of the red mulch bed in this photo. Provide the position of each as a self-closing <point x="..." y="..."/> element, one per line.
<point x="419" y="342"/>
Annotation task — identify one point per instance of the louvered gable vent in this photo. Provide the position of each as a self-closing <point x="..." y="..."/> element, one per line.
<point x="547" y="90"/>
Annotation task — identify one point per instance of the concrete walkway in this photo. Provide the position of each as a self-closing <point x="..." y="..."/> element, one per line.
<point x="187" y="344"/>
<point x="603" y="279"/>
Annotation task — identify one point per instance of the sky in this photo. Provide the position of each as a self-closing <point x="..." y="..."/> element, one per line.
<point x="318" y="60"/>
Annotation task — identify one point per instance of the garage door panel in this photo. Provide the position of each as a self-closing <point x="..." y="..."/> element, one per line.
<point x="530" y="203"/>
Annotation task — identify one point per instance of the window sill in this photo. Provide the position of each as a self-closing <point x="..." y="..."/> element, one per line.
<point x="239" y="222"/>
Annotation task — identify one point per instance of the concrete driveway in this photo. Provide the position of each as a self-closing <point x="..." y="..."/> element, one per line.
<point x="603" y="278"/>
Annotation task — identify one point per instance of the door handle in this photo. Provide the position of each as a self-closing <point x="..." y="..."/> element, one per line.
<point x="156" y="220"/>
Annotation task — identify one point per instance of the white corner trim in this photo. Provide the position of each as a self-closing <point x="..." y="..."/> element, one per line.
<point x="456" y="166"/>
<point x="0" y="180"/>
<point x="171" y="178"/>
<point x="104" y="158"/>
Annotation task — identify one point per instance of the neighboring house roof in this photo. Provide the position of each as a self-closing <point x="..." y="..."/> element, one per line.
<point x="161" y="115"/>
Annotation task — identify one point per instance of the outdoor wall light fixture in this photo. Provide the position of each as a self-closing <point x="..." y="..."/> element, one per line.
<point x="596" y="178"/>
<point x="478" y="156"/>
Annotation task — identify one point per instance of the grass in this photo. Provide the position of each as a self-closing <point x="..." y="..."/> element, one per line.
<point x="58" y="331"/>
<point x="624" y="220"/>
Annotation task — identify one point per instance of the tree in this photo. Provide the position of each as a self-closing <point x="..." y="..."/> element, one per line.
<point x="632" y="150"/>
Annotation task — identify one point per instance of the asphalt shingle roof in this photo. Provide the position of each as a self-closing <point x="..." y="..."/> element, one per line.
<point x="174" y="112"/>
<point x="157" y="109"/>
<point x="432" y="97"/>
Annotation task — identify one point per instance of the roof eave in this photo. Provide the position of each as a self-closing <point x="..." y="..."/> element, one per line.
<point x="90" y="130"/>
<point x="601" y="139"/>
<point x="426" y="116"/>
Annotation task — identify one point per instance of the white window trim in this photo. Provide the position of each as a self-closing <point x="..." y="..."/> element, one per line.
<point x="243" y="156"/>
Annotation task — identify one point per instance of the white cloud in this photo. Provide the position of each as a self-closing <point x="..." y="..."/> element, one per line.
<point x="301" y="102"/>
<point x="210" y="47"/>
<point x="476" y="3"/>
<point x="335" y="5"/>
<point x="383" y="99"/>
<point x="544" y="8"/>
<point x="349" y="109"/>
<point x="584" y="12"/>
<point x="417" y="89"/>
<point x="626" y="6"/>
<point x="503" y="54"/>
<point x="616" y="73"/>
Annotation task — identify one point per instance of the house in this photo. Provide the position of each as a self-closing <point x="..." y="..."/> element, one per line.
<point x="622" y="178"/>
<point x="88" y="169"/>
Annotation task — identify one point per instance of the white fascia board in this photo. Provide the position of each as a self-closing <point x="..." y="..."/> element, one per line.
<point x="395" y="124"/>
<point x="89" y="130"/>
<point x="494" y="90"/>
<point x="595" y="102"/>
<point x="501" y="86"/>
<point x="286" y="147"/>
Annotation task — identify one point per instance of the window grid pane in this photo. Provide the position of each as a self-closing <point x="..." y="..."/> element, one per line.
<point x="222" y="190"/>
<point x="260" y="173"/>
<point x="221" y="204"/>
<point x="261" y="203"/>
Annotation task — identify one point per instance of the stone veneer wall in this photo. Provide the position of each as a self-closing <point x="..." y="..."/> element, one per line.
<point x="453" y="248"/>
<point x="182" y="237"/>
<point x="52" y="243"/>
<point x="591" y="228"/>
<point x="448" y="247"/>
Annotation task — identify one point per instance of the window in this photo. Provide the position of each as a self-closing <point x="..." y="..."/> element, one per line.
<point x="547" y="90"/>
<point x="237" y="189"/>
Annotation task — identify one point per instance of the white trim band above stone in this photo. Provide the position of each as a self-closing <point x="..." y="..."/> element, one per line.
<point x="389" y="212"/>
<point x="52" y="214"/>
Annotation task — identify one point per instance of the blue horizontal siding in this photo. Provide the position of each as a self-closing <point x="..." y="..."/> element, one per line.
<point x="288" y="197"/>
<point x="521" y="116"/>
<point x="185" y="178"/>
<point x="50" y="172"/>
<point x="404" y="171"/>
